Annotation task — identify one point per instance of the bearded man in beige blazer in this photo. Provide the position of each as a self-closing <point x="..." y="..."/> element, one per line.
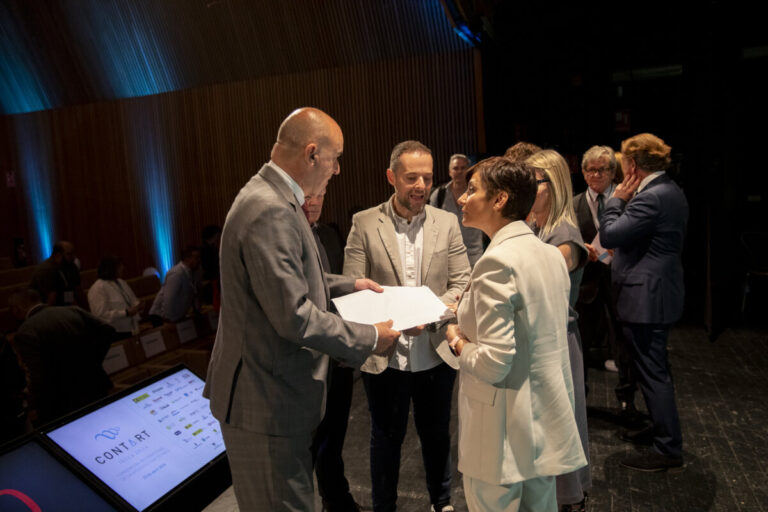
<point x="404" y="242"/>
<point x="267" y="375"/>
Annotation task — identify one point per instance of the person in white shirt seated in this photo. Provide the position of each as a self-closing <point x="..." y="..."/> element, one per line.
<point x="112" y="300"/>
<point x="180" y="290"/>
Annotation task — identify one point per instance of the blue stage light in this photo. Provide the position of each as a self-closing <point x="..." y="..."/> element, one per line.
<point x="34" y="160"/>
<point x="21" y="89"/>
<point x="148" y="162"/>
<point x="122" y="46"/>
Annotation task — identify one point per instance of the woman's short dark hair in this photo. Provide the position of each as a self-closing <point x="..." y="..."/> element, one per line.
<point x="107" y="268"/>
<point x="517" y="179"/>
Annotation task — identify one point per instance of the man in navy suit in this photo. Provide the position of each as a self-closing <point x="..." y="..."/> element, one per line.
<point x="645" y="221"/>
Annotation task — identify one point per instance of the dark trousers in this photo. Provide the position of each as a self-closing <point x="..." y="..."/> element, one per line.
<point x="649" y="357"/>
<point x="328" y="443"/>
<point x="389" y="396"/>
<point x="598" y="322"/>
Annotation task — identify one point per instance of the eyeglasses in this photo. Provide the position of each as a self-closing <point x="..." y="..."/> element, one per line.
<point x="543" y="180"/>
<point x="603" y="170"/>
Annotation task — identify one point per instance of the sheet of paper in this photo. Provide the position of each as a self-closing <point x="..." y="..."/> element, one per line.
<point x="602" y="254"/>
<point x="406" y="306"/>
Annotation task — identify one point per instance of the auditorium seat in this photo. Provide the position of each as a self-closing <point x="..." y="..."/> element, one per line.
<point x="16" y="276"/>
<point x="8" y="323"/>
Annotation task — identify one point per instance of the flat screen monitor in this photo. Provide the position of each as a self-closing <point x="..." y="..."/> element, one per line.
<point x="147" y="441"/>
<point x="31" y="479"/>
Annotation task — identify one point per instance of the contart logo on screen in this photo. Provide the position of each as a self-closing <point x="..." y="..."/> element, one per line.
<point x="110" y="433"/>
<point x="121" y="448"/>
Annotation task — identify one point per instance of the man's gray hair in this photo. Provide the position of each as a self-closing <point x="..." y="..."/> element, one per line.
<point x="408" y="146"/>
<point x="598" y="152"/>
<point x="459" y="155"/>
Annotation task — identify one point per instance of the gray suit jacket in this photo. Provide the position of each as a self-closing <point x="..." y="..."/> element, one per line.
<point x="372" y="251"/>
<point x="268" y="368"/>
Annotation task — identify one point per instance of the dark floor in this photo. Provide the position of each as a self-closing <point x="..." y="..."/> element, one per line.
<point x="722" y="396"/>
<point x="722" y="389"/>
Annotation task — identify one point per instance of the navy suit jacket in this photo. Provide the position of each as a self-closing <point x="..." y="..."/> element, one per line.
<point x="647" y="233"/>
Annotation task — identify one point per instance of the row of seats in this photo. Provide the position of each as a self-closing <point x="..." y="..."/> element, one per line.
<point x="6" y="263"/>
<point x="189" y="341"/>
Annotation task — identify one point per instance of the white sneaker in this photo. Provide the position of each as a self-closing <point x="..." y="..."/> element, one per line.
<point x="445" y="508"/>
<point x="610" y="365"/>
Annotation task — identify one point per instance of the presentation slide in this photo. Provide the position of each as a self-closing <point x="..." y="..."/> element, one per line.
<point x="145" y="444"/>
<point x="32" y="480"/>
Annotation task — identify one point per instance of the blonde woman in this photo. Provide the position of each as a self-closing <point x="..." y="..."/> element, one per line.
<point x="554" y="221"/>
<point x="517" y="429"/>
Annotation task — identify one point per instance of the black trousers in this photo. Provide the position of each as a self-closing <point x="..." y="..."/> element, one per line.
<point x="654" y="378"/>
<point x="328" y="442"/>
<point x="389" y="397"/>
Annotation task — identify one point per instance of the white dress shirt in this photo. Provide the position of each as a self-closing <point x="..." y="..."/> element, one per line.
<point x="592" y="202"/>
<point x="644" y="183"/>
<point x="295" y="188"/>
<point x="413" y="353"/>
<point x="108" y="300"/>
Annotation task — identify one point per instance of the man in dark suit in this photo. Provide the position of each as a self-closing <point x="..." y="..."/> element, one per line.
<point x="267" y="375"/>
<point x="645" y="221"/>
<point x="328" y="443"/>
<point x="63" y="348"/>
<point x="597" y="312"/>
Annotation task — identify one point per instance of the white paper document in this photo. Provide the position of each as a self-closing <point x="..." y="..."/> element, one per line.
<point x="406" y="306"/>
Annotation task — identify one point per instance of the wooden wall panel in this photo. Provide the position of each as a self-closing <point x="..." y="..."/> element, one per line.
<point x="207" y="142"/>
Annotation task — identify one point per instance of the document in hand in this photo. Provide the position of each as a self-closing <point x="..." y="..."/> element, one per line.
<point x="406" y="306"/>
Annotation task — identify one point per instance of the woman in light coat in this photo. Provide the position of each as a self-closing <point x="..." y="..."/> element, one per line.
<point x="517" y="429"/>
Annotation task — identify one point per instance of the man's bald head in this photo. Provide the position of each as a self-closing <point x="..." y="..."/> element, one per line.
<point x="304" y="126"/>
<point x="309" y="144"/>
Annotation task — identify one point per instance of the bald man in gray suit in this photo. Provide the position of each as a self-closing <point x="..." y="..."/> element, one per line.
<point x="267" y="376"/>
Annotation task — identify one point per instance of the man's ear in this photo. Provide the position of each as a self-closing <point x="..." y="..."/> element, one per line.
<point x="391" y="177"/>
<point x="310" y="153"/>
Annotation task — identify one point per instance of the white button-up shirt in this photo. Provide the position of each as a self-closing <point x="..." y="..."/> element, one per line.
<point x="649" y="179"/>
<point x="592" y="202"/>
<point x="413" y="353"/>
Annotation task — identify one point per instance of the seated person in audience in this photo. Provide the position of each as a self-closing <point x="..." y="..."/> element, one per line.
<point x="63" y="349"/>
<point x="446" y="197"/>
<point x="112" y="300"/>
<point x="13" y="415"/>
<point x="57" y="279"/>
<point x="179" y="292"/>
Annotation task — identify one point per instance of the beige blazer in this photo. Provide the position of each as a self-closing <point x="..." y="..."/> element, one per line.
<point x="268" y="368"/>
<point x="372" y="251"/>
<point x="516" y="415"/>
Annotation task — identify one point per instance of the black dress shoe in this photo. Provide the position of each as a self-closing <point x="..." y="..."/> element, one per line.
<point x="346" y="506"/>
<point x="642" y="436"/>
<point x="575" y="507"/>
<point x="652" y="462"/>
<point x="630" y="417"/>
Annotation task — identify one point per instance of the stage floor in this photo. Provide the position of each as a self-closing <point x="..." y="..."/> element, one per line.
<point x="722" y="396"/>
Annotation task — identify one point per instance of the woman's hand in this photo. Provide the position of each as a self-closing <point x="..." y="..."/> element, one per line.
<point x="456" y="338"/>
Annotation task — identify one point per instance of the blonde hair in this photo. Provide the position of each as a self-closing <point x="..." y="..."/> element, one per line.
<point x="648" y="151"/>
<point x="554" y="167"/>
